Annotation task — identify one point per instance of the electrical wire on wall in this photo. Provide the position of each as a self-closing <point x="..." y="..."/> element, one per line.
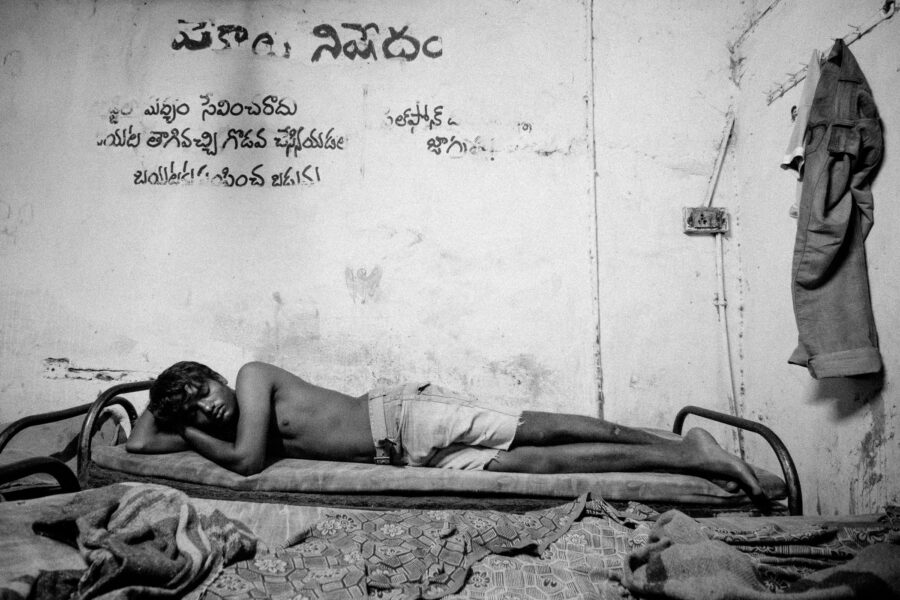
<point x="720" y="300"/>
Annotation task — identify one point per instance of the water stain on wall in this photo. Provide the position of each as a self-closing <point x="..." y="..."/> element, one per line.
<point x="869" y="467"/>
<point x="12" y="64"/>
<point x="10" y="69"/>
<point x="12" y="218"/>
<point x="524" y="370"/>
<point x="286" y="331"/>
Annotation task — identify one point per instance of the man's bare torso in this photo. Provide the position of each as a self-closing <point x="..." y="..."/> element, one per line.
<point x="315" y="422"/>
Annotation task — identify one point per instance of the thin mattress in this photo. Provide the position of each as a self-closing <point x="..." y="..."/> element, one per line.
<point x="303" y="481"/>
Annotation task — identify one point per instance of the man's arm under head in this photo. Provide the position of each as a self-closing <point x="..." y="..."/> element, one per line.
<point x="245" y="451"/>
<point x="147" y="437"/>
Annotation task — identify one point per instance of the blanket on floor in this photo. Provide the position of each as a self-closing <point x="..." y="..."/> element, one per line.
<point x="152" y="541"/>
<point x="138" y="541"/>
<point x="685" y="560"/>
<point x="601" y="553"/>
<point x="397" y="554"/>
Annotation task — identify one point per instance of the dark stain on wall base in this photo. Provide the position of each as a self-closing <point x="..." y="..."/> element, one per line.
<point x="870" y="447"/>
<point x="61" y="368"/>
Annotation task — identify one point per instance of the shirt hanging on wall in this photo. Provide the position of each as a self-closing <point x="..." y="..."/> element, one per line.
<point x="793" y="156"/>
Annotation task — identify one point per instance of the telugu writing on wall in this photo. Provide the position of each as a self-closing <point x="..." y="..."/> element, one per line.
<point x="396" y="43"/>
<point x="189" y="140"/>
<point x="291" y="138"/>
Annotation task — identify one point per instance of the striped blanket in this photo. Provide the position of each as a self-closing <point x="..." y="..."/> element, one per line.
<point x="144" y="541"/>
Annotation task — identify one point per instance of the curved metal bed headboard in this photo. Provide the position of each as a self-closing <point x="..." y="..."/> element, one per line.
<point x="106" y="398"/>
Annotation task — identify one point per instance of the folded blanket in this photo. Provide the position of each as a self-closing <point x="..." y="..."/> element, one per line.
<point x="682" y="561"/>
<point x="140" y="541"/>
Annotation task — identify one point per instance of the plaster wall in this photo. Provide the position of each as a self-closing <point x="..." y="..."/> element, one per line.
<point x="662" y="97"/>
<point x="666" y="76"/>
<point x="457" y="248"/>
<point x="842" y="432"/>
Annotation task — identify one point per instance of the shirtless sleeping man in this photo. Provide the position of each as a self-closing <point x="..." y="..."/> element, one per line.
<point x="271" y="413"/>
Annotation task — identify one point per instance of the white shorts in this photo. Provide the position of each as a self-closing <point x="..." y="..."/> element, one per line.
<point x="429" y="426"/>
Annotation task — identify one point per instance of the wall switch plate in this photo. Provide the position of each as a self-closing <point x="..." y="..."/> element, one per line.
<point x="704" y="219"/>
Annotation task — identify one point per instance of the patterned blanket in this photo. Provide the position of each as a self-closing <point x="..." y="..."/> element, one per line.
<point x="144" y="541"/>
<point x="397" y="554"/>
<point x="558" y="552"/>
<point x="152" y="541"/>
<point x="584" y="549"/>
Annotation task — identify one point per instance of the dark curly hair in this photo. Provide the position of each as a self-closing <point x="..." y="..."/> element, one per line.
<point x="177" y="386"/>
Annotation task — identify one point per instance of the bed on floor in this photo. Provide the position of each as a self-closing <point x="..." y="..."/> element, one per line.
<point x="355" y="485"/>
<point x="148" y="540"/>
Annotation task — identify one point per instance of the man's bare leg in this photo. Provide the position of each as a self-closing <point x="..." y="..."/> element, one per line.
<point x="697" y="454"/>
<point x="547" y="429"/>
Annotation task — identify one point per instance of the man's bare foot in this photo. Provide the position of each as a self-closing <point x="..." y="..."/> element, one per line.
<point x="712" y="460"/>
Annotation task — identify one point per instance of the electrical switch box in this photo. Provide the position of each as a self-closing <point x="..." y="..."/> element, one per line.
<point x="704" y="219"/>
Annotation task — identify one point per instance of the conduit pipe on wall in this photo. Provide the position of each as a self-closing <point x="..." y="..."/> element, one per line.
<point x="720" y="301"/>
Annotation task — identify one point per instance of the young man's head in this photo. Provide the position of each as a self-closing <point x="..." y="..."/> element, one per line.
<point x="189" y="393"/>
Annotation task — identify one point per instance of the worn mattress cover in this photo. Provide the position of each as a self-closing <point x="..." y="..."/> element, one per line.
<point x="331" y="477"/>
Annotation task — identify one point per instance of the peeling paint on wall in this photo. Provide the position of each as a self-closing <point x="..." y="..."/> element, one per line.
<point x="869" y="465"/>
<point x="754" y="21"/>
<point x="61" y="368"/>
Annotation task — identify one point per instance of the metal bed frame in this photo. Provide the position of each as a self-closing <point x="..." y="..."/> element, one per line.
<point x="113" y="396"/>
